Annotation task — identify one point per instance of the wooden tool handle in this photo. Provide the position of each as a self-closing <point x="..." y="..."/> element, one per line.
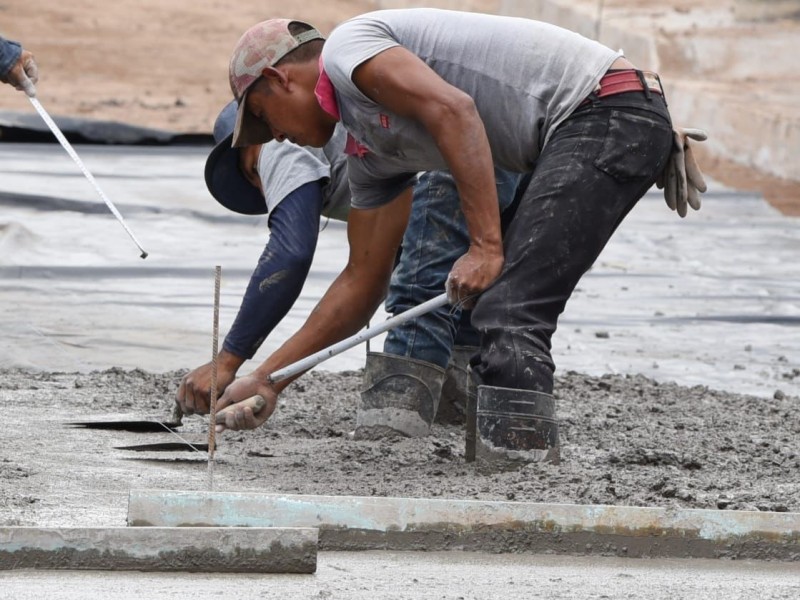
<point x="255" y="402"/>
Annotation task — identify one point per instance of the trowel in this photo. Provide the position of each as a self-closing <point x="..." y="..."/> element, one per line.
<point x="142" y="426"/>
<point x="256" y="403"/>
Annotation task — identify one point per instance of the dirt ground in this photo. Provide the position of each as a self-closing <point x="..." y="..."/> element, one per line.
<point x="626" y="440"/>
<point x="144" y="62"/>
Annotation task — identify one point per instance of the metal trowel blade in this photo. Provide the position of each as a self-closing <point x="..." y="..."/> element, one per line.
<point x="135" y="426"/>
<point x="165" y="447"/>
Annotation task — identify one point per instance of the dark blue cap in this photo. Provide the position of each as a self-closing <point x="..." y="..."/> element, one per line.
<point x="224" y="178"/>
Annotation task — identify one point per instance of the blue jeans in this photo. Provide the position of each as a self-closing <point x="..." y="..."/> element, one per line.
<point x="594" y="169"/>
<point x="435" y="238"/>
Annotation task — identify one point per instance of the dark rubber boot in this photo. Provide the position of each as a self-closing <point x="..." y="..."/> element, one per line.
<point x="515" y="427"/>
<point x="399" y="398"/>
<point x="453" y="402"/>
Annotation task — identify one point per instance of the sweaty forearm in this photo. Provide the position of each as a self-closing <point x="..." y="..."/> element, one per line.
<point x="281" y="271"/>
<point x="342" y="312"/>
<point x="461" y="139"/>
<point x="374" y="236"/>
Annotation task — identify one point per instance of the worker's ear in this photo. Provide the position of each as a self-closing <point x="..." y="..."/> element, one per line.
<point x="275" y="77"/>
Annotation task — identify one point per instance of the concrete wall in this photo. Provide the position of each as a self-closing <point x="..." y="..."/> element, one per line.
<point x="709" y="58"/>
<point x="736" y="81"/>
<point x="767" y="10"/>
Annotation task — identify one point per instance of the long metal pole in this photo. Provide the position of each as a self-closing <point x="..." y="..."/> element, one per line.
<point x="212" y="426"/>
<point x="323" y="355"/>
<point x="70" y="150"/>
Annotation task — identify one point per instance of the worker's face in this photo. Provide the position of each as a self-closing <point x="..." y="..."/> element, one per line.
<point x="291" y="111"/>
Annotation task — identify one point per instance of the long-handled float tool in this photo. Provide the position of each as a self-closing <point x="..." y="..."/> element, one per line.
<point x="312" y="361"/>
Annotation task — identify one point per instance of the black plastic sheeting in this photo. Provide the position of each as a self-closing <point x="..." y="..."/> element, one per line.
<point x="29" y="128"/>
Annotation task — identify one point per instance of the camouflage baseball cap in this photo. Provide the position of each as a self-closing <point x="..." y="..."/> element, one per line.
<point x="261" y="46"/>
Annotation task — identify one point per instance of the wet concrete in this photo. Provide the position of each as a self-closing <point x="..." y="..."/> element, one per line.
<point x="658" y="414"/>
<point x="657" y="301"/>
<point x="446" y="576"/>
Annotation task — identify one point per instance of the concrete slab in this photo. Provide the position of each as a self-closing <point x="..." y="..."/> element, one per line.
<point x="204" y="549"/>
<point x="371" y="523"/>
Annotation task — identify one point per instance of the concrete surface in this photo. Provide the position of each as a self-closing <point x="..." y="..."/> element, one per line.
<point x="432" y="575"/>
<point x="77" y="297"/>
<point x="202" y="549"/>
<point x="373" y="523"/>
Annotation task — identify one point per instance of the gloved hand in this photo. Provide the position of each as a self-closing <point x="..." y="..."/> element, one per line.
<point x="681" y="179"/>
<point x="24" y="74"/>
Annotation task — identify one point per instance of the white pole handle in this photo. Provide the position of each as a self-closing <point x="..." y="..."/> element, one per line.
<point x="339" y="347"/>
<point x="74" y="155"/>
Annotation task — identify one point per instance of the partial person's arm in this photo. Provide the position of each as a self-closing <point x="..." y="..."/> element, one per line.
<point x="374" y="236"/>
<point x="274" y="287"/>
<point x="400" y="81"/>
<point x="17" y="67"/>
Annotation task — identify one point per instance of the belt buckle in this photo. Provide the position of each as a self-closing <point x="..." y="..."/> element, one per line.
<point x="653" y="81"/>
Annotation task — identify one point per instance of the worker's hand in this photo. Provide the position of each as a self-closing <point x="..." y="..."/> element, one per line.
<point x="24" y="74"/>
<point x="682" y="180"/>
<point x="243" y="417"/>
<point x="248" y="163"/>
<point x="194" y="392"/>
<point x="471" y="274"/>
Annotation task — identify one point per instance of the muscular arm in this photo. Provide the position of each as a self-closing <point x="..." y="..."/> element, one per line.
<point x="401" y="82"/>
<point x="374" y="236"/>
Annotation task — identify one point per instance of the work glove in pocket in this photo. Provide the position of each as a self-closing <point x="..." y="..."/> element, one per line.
<point x="682" y="180"/>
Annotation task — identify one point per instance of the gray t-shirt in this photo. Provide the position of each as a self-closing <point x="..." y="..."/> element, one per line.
<point x="525" y="77"/>
<point x="284" y="167"/>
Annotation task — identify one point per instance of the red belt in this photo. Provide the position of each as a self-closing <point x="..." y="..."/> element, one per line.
<point x="628" y="80"/>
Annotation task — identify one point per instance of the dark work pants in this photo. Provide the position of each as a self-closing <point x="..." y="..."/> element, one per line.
<point x="593" y="170"/>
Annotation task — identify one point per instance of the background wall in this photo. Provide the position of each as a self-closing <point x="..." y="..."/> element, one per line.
<point x="729" y="67"/>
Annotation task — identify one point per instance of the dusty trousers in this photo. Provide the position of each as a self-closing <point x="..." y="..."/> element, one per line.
<point x="593" y="170"/>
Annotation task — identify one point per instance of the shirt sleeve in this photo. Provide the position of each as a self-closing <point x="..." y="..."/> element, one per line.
<point x="281" y="272"/>
<point x="284" y="167"/>
<point x="9" y="55"/>
<point x="352" y="43"/>
<point x="372" y="184"/>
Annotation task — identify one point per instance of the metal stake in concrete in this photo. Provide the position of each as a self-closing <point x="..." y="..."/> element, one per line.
<point x="212" y="417"/>
<point x="203" y="549"/>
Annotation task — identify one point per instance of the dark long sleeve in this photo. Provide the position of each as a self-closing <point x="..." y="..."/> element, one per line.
<point x="281" y="271"/>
